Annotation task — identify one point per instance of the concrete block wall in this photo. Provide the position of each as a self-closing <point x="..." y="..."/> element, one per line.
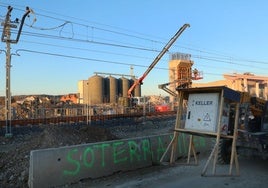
<point x="59" y="166"/>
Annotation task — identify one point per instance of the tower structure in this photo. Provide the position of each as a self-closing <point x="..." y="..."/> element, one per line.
<point x="180" y="72"/>
<point x="180" y="69"/>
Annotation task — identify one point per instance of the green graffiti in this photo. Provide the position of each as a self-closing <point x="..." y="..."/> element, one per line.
<point x="88" y="155"/>
<point x="160" y="148"/>
<point x="117" y="152"/>
<point x="184" y="147"/>
<point x="146" y="149"/>
<point x="72" y="161"/>
<point x="102" y="147"/>
<point x="133" y="147"/>
<point x="183" y="142"/>
<point x="127" y="152"/>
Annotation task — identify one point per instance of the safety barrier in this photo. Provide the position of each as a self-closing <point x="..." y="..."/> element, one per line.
<point x="60" y="166"/>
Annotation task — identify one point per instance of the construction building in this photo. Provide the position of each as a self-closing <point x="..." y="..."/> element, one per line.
<point x="181" y="73"/>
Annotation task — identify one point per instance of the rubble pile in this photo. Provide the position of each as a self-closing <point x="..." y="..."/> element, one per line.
<point x="15" y="151"/>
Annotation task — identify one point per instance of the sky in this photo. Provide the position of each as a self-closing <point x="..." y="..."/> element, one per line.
<point x="63" y="42"/>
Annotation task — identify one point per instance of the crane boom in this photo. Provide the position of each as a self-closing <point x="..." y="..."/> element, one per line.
<point x="156" y="60"/>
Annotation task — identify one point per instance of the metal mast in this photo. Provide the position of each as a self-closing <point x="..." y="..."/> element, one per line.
<point x="6" y="37"/>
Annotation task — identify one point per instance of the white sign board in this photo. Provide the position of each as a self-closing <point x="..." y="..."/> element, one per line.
<point x="202" y="112"/>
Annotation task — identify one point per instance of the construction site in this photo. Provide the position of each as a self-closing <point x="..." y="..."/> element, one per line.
<point x="109" y="135"/>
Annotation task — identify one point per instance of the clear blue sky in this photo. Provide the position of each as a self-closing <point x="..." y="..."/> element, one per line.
<point x="72" y="39"/>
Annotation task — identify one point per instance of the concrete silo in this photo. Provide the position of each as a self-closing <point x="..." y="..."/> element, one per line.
<point x="106" y="92"/>
<point x="137" y="90"/>
<point x="123" y="86"/>
<point x="96" y="89"/>
<point x="113" y="89"/>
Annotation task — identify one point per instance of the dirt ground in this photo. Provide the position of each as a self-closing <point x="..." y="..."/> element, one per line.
<point x="15" y="151"/>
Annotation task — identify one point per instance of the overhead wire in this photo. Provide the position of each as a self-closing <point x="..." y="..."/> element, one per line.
<point x="108" y="30"/>
<point x="85" y="41"/>
<point x="49" y="28"/>
<point x="222" y="58"/>
<point x="95" y="60"/>
<point x="112" y="31"/>
<point x="82" y="58"/>
<point x="80" y="24"/>
<point x="86" y="49"/>
<point x="120" y="33"/>
<point x="212" y="58"/>
<point x="225" y="60"/>
<point x="107" y="52"/>
<point x="200" y="57"/>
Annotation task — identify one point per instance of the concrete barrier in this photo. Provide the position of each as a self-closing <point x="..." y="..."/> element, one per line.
<point x="59" y="166"/>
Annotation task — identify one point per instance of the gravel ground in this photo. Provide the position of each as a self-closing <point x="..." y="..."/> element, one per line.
<point x="15" y="151"/>
<point x="253" y="173"/>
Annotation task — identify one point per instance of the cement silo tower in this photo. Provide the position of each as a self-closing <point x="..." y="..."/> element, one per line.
<point x="107" y="89"/>
<point x="137" y="90"/>
<point x="96" y="89"/>
<point x="124" y="86"/>
<point x="113" y="89"/>
<point x="180" y="72"/>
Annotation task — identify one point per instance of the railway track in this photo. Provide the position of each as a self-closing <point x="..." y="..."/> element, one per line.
<point x="111" y="119"/>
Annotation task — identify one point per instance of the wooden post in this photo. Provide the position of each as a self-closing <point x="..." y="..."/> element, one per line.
<point x="177" y="125"/>
<point x="191" y="149"/>
<point x="174" y="142"/>
<point x="217" y="134"/>
<point x="234" y="152"/>
<point x="209" y="159"/>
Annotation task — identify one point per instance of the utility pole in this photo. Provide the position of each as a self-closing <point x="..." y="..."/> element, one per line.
<point x="6" y="37"/>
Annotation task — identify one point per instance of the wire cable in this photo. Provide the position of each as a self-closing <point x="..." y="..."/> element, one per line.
<point x="83" y="58"/>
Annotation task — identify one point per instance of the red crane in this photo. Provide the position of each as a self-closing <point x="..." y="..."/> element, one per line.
<point x="156" y="60"/>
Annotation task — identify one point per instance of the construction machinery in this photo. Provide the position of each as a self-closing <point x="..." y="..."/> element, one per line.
<point x="184" y="80"/>
<point x="252" y="138"/>
<point x="181" y="76"/>
<point x="156" y="60"/>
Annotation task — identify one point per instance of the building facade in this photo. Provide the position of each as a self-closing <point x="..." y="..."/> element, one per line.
<point x="253" y="84"/>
